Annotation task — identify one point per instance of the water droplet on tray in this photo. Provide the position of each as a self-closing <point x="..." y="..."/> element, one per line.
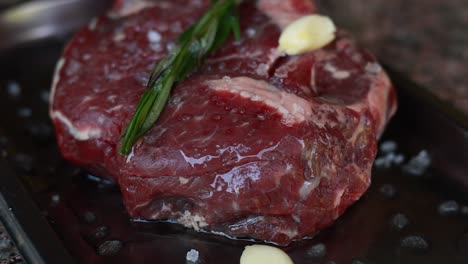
<point x="88" y="217"/>
<point x="24" y="112"/>
<point x="101" y="232"/>
<point x="399" y="221"/>
<point x="40" y="132"/>
<point x="45" y="96"/>
<point x="55" y="199"/>
<point x="415" y="244"/>
<point x="23" y="162"/>
<point x="110" y="248"/>
<point x="464" y="210"/>
<point x="388" y="190"/>
<point x="317" y="251"/>
<point x="13" y="89"/>
<point x="448" y="208"/>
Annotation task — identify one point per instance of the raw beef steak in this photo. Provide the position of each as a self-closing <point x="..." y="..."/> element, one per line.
<point x="254" y="144"/>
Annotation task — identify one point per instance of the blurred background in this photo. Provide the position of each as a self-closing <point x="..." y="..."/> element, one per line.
<point x="425" y="39"/>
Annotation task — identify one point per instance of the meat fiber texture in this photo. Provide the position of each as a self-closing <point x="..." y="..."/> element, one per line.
<point x="253" y="144"/>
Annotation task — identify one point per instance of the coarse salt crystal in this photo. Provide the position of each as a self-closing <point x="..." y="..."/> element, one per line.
<point x="418" y="164"/>
<point x="388" y="146"/>
<point x="153" y="36"/>
<point x="192" y="256"/>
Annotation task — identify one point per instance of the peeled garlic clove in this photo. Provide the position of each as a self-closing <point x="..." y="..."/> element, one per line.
<point x="261" y="254"/>
<point x="308" y="33"/>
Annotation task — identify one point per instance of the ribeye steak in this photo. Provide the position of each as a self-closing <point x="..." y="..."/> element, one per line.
<point x="253" y="144"/>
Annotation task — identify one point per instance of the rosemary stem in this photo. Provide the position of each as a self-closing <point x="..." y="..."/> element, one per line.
<point x="207" y="35"/>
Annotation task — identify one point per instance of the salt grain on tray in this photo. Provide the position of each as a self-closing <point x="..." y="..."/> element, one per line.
<point x="192" y="256"/>
<point x="389" y="156"/>
<point x="418" y="164"/>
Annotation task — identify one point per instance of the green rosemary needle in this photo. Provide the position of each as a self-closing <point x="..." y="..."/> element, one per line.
<point x="207" y="35"/>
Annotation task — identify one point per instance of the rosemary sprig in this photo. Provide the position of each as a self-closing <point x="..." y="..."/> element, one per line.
<point x="207" y="35"/>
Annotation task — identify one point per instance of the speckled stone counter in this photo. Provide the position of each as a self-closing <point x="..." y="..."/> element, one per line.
<point x="8" y="252"/>
<point x="427" y="39"/>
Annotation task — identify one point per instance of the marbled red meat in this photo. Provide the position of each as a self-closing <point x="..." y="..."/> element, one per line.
<point x="253" y="144"/>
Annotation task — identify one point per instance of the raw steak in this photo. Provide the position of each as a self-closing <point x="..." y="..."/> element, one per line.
<point x="254" y="144"/>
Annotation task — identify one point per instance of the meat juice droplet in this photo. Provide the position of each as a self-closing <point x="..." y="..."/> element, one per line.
<point x="415" y="244"/>
<point x="448" y="208"/>
<point x="185" y="117"/>
<point x="399" y="221"/>
<point x="216" y="117"/>
<point x="110" y="248"/>
<point x="227" y="107"/>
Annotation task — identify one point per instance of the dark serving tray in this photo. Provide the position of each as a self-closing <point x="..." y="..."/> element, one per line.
<point x="57" y="213"/>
